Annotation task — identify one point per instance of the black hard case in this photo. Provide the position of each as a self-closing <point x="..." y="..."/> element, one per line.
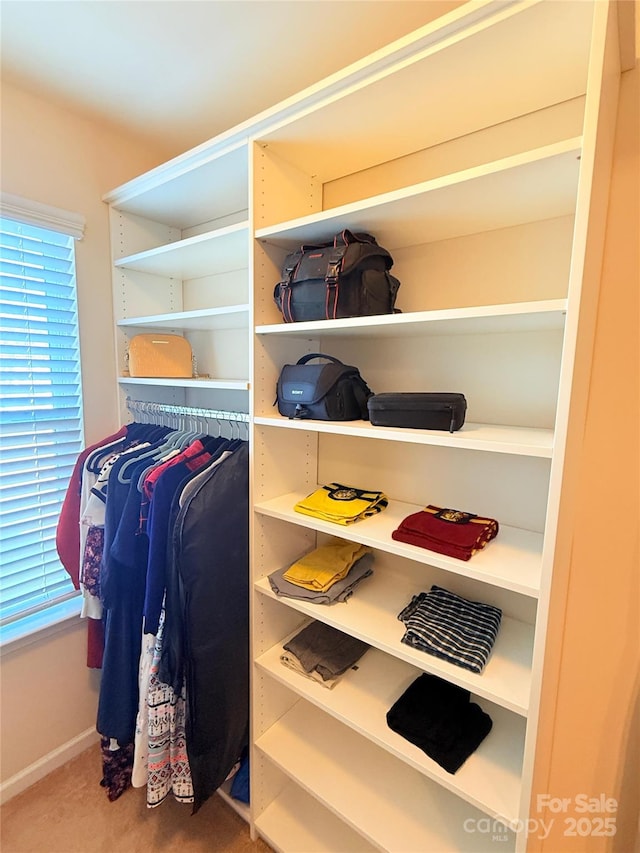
<point x="418" y="410"/>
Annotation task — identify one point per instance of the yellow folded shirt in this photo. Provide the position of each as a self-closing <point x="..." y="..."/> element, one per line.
<point x="342" y="504"/>
<point x="320" y="569"/>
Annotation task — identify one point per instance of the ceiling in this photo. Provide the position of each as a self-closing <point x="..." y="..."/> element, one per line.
<point x="182" y="71"/>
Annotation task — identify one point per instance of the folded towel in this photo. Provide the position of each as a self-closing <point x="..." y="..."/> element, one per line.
<point x="447" y="531"/>
<point x="342" y="504"/>
<point x="452" y="628"/>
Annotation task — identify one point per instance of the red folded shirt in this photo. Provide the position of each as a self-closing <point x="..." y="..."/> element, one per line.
<point x="447" y="531"/>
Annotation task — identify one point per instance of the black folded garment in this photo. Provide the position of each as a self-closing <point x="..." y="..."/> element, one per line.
<point x="438" y="718"/>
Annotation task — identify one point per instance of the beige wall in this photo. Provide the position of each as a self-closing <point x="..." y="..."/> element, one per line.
<point x="55" y="157"/>
<point x="589" y="728"/>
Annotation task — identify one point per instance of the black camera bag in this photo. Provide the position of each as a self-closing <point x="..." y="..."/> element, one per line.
<point x="326" y="392"/>
<point x="348" y="277"/>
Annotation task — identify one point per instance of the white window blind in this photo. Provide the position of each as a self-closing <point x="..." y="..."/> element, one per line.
<point x="41" y="430"/>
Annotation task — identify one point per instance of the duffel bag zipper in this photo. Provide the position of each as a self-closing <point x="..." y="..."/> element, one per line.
<point x="446" y="407"/>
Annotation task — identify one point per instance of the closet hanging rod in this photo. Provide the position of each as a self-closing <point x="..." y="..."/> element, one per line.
<point x="151" y="408"/>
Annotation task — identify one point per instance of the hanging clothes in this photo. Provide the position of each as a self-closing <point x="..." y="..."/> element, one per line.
<point x="68" y="542"/>
<point x="155" y="533"/>
<point x="210" y="560"/>
<point x="158" y="524"/>
<point x="160" y="758"/>
<point x="160" y="754"/>
<point x="122" y="588"/>
<point x="95" y="481"/>
<point x="68" y="528"/>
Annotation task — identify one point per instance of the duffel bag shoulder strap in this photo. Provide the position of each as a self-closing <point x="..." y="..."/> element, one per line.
<point x="346" y="238"/>
<point x="361" y="390"/>
<point x="282" y="290"/>
<point x="332" y="279"/>
<point x="312" y="355"/>
<point x="326" y="376"/>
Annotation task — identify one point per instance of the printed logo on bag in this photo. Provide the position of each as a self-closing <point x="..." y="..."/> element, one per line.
<point x="298" y="391"/>
<point x="456" y="516"/>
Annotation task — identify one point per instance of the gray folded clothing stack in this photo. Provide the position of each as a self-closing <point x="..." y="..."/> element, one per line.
<point x="320" y="650"/>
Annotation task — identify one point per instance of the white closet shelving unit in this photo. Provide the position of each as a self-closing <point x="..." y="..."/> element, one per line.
<point x="476" y="150"/>
<point x="469" y="150"/>
<point x="180" y="244"/>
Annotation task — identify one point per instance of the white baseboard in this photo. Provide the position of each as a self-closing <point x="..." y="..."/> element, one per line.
<point x="45" y="765"/>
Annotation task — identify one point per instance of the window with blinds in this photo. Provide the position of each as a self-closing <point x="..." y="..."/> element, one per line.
<point x="41" y="431"/>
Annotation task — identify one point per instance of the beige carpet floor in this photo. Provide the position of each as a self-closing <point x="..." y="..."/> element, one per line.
<point x="68" y="812"/>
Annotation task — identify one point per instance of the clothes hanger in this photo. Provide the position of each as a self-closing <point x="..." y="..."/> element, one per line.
<point x="91" y="462"/>
<point x="156" y="451"/>
<point x="173" y="440"/>
<point x="147" y="471"/>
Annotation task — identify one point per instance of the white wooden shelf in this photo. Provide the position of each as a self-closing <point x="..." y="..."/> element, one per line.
<point x="528" y="187"/>
<point x="371" y="614"/>
<point x="489" y="779"/>
<point x="519" y="441"/>
<point x="484" y="319"/>
<point x="203" y="185"/>
<point x="208" y="319"/>
<point x="295" y="821"/>
<point x="218" y="251"/>
<point x="513" y="560"/>
<point x="390" y="804"/>
<point x="219" y="384"/>
<point x="434" y="62"/>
